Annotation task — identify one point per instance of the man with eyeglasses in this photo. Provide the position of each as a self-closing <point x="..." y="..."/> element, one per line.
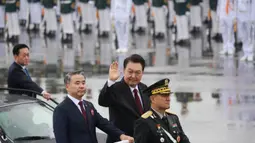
<point x="124" y="98"/>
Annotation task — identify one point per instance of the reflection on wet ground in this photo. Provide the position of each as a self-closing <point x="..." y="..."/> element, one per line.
<point x="213" y="95"/>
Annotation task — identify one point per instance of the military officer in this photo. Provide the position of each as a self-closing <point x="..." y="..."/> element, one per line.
<point x="50" y="17"/>
<point x="140" y="15"/>
<point x="87" y="16"/>
<point x="244" y="27"/>
<point x="158" y="125"/>
<point x="11" y="7"/>
<point x="227" y="15"/>
<point x="159" y="18"/>
<point x="196" y="20"/>
<point x="215" y="20"/>
<point x="181" y="7"/>
<point x="66" y="9"/>
<point x="2" y="17"/>
<point x="104" y="17"/>
<point x="35" y="11"/>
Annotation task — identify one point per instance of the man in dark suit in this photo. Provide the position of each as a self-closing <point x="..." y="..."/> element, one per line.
<point x="159" y="125"/>
<point x="18" y="75"/>
<point x="124" y="98"/>
<point x="75" y="120"/>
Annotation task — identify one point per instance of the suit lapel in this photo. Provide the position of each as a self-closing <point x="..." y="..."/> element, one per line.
<point x="75" y="110"/>
<point x="146" y="105"/>
<point x="128" y="95"/>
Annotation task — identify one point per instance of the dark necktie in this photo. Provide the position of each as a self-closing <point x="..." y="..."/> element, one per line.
<point x="82" y="110"/>
<point x="138" y="101"/>
<point x="165" y="120"/>
<point x="26" y="72"/>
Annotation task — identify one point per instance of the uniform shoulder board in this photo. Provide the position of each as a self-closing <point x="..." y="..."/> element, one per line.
<point x="147" y="114"/>
<point x="169" y="112"/>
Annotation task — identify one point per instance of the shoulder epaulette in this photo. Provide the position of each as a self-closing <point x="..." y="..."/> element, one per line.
<point x="147" y="114"/>
<point x="169" y="112"/>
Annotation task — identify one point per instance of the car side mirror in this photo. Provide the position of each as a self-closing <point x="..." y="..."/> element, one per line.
<point x="3" y="134"/>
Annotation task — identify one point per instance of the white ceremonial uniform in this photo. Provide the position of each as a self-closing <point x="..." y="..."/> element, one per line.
<point x="243" y="8"/>
<point x="171" y="12"/>
<point x="159" y="19"/>
<point x="88" y="14"/>
<point x="35" y="9"/>
<point x="2" y="16"/>
<point x="121" y="10"/>
<point x="140" y="14"/>
<point x="227" y="15"/>
<point x="253" y="24"/>
<point x="24" y="10"/>
<point x="51" y="19"/>
<point x="195" y="13"/>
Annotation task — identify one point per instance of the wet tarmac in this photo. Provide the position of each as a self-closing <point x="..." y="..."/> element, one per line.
<point x="213" y="95"/>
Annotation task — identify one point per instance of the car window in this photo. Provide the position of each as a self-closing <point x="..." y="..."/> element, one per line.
<point x="24" y="120"/>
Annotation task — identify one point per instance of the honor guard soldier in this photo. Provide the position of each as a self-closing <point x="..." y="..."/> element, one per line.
<point x="159" y="18"/>
<point x="35" y="11"/>
<point x="181" y="7"/>
<point x="50" y="17"/>
<point x="216" y="34"/>
<point x="2" y="17"/>
<point x="140" y="16"/>
<point x="12" y="24"/>
<point x="244" y="27"/>
<point x="104" y="17"/>
<point x="158" y="125"/>
<point x="196" y="20"/>
<point x="227" y="15"/>
<point x="87" y="16"/>
<point x="66" y="9"/>
<point x="171" y="14"/>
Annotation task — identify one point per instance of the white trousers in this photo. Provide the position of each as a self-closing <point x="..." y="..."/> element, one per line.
<point x="245" y="34"/>
<point x="122" y="31"/>
<point x="215" y="22"/>
<point x="24" y="10"/>
<point x="2" y="17"/>
<point x="104" y="20"/>
<point x="160" y="19"/>
<point x="35" y="13"/>
<point x="205" y="5"/>
<point x="182" y="27"/>
<point x="67" y="23"/>
<point x="171" y="11"/>
<point x="13" y="24"/>
<point x="87" y="12"/>
<point x="50" y="19"/>
<point x="195" y="13"/>
<point x="227" y="30"/>
<point x="140" y="14"/>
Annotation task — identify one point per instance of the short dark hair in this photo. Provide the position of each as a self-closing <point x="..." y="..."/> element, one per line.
<point x="135" y="58"/>
<point x="69" y="75"/>
<point x="17" y="47"/>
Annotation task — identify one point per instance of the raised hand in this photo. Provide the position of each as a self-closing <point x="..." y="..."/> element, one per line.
<point x="114" y="73"/>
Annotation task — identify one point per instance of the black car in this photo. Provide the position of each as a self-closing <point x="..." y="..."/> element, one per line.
<point x="24" y="119"/>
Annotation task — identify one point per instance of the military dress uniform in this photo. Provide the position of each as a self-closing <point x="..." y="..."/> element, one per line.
<point x="87" y="15"/>
<point x="243" y="8"/>
<point x="50" y="17"/>
<point x="181" y="7"/>
<point x="155" y="127"/>
<point x="35" y="11"/>
<point x="66" y="9"/>
<point x="2" y="17"/>
<point x="159" y="17"/>
<point x="11" y="9"/>
<point x="104" y="17"/>
<point x="171" y="13"/>
<point x="195" y="13"/>
<point x="227" y="15"/>
<point x="121" y="10"/>
<point x="140" y="15"/>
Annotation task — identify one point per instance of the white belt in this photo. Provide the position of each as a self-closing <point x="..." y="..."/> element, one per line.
<point x="169" y="135"/>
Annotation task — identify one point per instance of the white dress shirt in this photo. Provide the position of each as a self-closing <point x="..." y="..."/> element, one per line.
<point x="75" y="101"/>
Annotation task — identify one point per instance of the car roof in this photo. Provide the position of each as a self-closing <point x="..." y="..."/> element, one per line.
<point x="7" y="99"/>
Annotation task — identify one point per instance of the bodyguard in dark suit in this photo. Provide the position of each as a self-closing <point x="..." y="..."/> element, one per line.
<point x="18" y="75"/>
<point x="158" y="125"/>
<point x="124" y="98"/>
<point x="75" y="120"/>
